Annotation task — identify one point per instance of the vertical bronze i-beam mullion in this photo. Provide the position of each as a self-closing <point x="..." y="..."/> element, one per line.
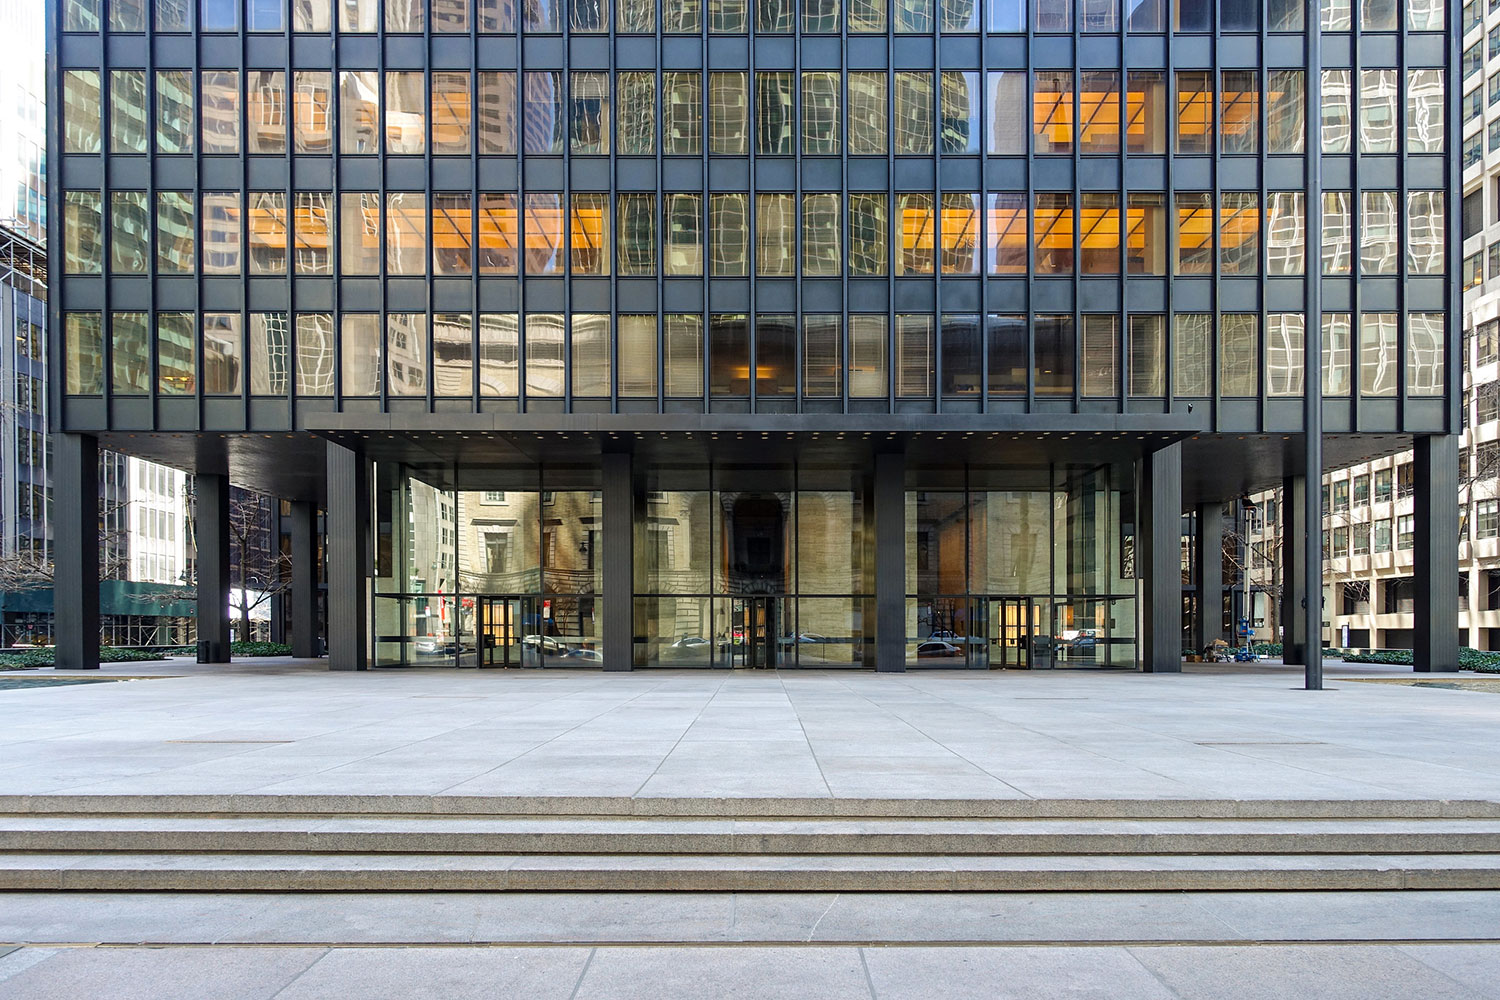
<point x="893" y="223"/>
<point x="1311" y="570"/>
<point x="565" y="216"/>
<point x="288" y="224"/>
<point x="1356" y="225"/>
<point x="334" y="226"/>
<point x="983" y="224"/>
<point x="1029" y="207"/>
<point x="106" y="231"/>
<point x="611" y="233"/>
<point x="1262" y="143"/>
<point x="1122" y="221"/>
<point x="845" y="218"/>
<point x="799" y="212"/>
<point x="1403" y="221"/>
<point x="195" y="201"/>
<point x="522" y="92"/>
<point x="1215" y="226"/>
<point x="658" y="247"/>
<point x="153" y="341"/>
<point x="705" y="207"/>
<point x="1453" y="340"/>
<point x="475" y="342"/>
<point x="1076" y="275"/>
<point x="1169" y="210"/>
<point x="382" y="97"/>
<point x="936" y="339"/>
<point x="429" y="200"/>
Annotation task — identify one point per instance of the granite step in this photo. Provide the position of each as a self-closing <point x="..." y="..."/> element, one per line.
<point x="797" y="836"/>
<point x="718" y="873"/>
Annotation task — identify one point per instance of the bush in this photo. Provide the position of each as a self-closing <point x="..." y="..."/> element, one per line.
<point x="1266" y="649"/>
<point x="1480" y="660"/>
<point x="240" y="649"/>
<point x="34" y="658"/>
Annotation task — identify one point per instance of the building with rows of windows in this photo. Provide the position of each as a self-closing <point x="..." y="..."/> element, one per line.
<point x="862" y="333"/>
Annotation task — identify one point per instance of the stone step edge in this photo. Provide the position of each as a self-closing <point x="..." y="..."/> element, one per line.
<point x="770" y="807"/>
<point x="810" y="844"/>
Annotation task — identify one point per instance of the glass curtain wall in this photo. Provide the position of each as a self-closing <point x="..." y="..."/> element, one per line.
<point x="752" y="566"/>
<point x="507" y="574"/>
<point x="1021" y="567"/>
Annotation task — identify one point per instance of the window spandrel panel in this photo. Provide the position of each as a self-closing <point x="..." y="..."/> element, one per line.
<point x="359" y="113"/>
<point x="868" y="135"/>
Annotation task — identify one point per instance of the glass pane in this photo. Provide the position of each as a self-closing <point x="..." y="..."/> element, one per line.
<point x="1286" y="227"/>
<point x="682" y="114"/>
<point x="1009" y="246"/>
<point x="1054" y="347"/>
<point x="315" y="354"/>
<point x="729" y="230"/>
<point x="1192" y="354"/>
<point x="544" y="342"/>
<point x="360" y="354"/>
<point x="775" y="356"/>
<point x="775" y="118"/>
<point x="80" y="111"/>
<point x="775" y="235"/>
<point x="452" y="224"/>
<point x="176" y="233"/>
<point x="868" y="377"/>
<point x="682" y="223"/>
<point x="959" y="343"/>
<point x="867" y="114"/>
<point x="175" y="349"/>
<point x="129" y="338"/>
<point x="682" y="355"/>
<point x="1379" y="233"/>
<point x="499" y="234"/>
<point x="1285" y="357"/>
<point x="499" y="355"/>
<point x="1195" y="232"/>
<point x="1239" y="233"/>
<point x="265" y="111"/>
<point x="1286" y="115"/>
<point x="590" y="342"/>
<point x="1195" y="112"/>
<point x="543" y="228"/>
<point x="959" y="253"/>
<point x="1425" y="223"/>
<point x="1337" y="341"/>
<point x="222" y="354"/>
<point x="1148" y="356"/>
<point x="820" y="114"/>
<point x="450" y="114"/>
<point x="406" y="354"/>
<point x="914" y="359"/>
<point x="589" y="250"/>
<point x="1099" y="112"/>
<point x="636" y="98"/>
<point x="1009" y="365"/>
<point x="728" y="113"/>
<point x="497" y="114"/>
<point x="406" y="233"/>
<point x="83" y="233"/>
<point x="545" y="120"/>
<point x="174" y="111"/>
<point x="636" y="218"/>
<point x="1424" y="354"/>
<point x="1378" y="123"/>
<point x="1239" y="354"/>
<point x="359" y="113"/>
<point x="221" y="232"/>
<point x="359" y="233"/>
<point x="959" y="113"/>
<point x="270" y="354"/>
<point x="1337" y="111"/>
<point x="822" y="358"/>
<point x="1377" y="354"/>
<point x="1052" y="112"/>
<point x="129" y="232"/>
<point x="1146" y="240"/>
<point x="312" y="112"/>
<point x="1099" y="233"/>
<point x="914" y="111"/>
<point x="1146" y="106"/>
<point x="637" y="346"/>
<point x="127" y="108"/>
<point x="1053" y="222"/>
<point x="1239" y="112"/>
<point x="916" y="227"/>
<point x="1337" y="232"/>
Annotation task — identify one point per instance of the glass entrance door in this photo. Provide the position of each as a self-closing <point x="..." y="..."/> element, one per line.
<point x="1020" y="633"/>
<point x="753" y="632"/>
<point x="507" y="632"/>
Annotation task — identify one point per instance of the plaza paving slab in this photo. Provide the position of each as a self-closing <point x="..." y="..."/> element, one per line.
<point x="292" y="727"/>
<point x="1359" y="972"/>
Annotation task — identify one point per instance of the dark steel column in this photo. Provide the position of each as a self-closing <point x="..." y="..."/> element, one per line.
<point x="1435" y="645"/>
<point x="1293" y="586"/>
<point x="619" y="565"/>
<point x="75" y="551"/>
<point x="348" y="559"/>
<point x="890" y="562"/>
<point x="1209" y="574"/>
<point x="304" y="591"/>
<point x="1161" y="551"/>
<point x="211" y="535"/>
<point x="277" y="602"/>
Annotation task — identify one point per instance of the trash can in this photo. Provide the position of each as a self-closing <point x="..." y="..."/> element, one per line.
<point x="204" y="651"/>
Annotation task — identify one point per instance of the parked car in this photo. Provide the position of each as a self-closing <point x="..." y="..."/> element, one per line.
<point x="937" y="647"/>
<point x="546" y="645"/>
<point x="580" y="653"/>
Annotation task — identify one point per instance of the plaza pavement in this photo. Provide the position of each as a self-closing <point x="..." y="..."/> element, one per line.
<point x="290" y="727"/>
<point x="281" y="727"/>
